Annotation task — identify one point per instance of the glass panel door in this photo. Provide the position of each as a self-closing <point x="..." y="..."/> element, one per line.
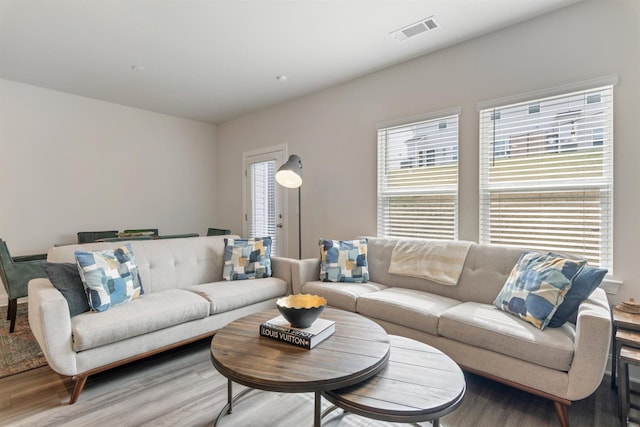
<point x="264" y="201"/>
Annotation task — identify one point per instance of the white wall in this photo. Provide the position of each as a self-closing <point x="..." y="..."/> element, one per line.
<point x="70" y="164"/>
<point x="334" y="131"/>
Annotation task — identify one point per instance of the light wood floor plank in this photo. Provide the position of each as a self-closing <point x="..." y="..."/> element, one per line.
<point x="181" y="388"/>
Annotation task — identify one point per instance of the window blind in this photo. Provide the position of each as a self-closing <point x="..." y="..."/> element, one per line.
<point x="546" y="174"/>
<point x="263" y="202"/>
<point x="418" y="179"/>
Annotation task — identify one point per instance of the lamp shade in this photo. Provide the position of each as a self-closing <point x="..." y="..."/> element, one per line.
<point x="289" y="175"/>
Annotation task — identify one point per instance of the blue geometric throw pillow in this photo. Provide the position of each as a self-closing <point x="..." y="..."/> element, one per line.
<point x="344" y="261"/>
<point x="247" y="258"/>
<point x="537" y="286"/>
<point x="110" y="277"/>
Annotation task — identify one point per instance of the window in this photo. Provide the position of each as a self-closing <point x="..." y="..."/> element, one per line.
<point x="552" y="188"/>
<point x="501" y="148"/>
<point x="418" y="179"/>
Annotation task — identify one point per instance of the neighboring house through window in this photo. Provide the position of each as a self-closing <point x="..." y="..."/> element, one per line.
<point x="546" y="174"/>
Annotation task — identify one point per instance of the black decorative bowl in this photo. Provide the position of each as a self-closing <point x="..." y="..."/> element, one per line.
<point x="301" y="310"/>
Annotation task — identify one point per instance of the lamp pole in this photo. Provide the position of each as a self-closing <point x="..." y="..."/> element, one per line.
<point x="289" y="175"/>
<point x="300" y="222"/>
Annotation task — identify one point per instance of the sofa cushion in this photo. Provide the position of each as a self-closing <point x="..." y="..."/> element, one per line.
<point x="407" y="307"/>
<point x="536" y="287"/>
<point x="343" y="296"/>
<point x="247" y="258"/>
<point x="148" y="313"/>
<point x="65" y="277"/>
<point x="110" y="277"/>
<point x="343" y="260"/>
<point x="483" y="325"/>
<point x="224" y="296"/>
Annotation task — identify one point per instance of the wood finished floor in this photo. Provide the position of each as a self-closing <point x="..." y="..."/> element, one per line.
<point x="181" y="388"/>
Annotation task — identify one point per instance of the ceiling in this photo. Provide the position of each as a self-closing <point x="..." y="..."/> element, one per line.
<point x="213" y="60"/>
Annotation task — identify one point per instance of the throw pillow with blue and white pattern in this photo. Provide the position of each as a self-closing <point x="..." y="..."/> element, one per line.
<point x="536" y="286"/>
<point x="247" y="258"/>
<point x="110" y="277"/>
<point x="344" y="261"/>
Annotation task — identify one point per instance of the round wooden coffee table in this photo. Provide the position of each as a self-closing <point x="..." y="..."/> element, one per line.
<point x="357" y="350"/>
<point x="419" y="383"/>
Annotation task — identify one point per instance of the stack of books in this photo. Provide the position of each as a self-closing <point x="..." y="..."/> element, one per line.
<point x="280" y="329"/>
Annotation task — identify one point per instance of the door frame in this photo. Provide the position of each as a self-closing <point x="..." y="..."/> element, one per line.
<point x="282" y="149"/>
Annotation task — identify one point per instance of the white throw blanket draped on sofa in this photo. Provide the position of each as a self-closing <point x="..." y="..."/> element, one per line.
<point x="440" y="261"/>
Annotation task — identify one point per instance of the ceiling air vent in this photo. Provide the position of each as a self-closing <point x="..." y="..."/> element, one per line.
<point x="414" y="29"/>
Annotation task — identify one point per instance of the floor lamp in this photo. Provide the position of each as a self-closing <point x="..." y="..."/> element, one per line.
<point x="289" y="175"/>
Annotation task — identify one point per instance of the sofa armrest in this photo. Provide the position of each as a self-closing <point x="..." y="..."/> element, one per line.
<point x="593" y="337"/>
<point x="50" y="323"/>
<point x="281" y="268"/>
<point x="303" y="271"/>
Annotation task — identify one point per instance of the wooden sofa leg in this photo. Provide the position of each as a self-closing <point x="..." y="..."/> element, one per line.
<point x="80" y="380"/>
<point x="561" y="412"/>
<point x="12" y="313"/>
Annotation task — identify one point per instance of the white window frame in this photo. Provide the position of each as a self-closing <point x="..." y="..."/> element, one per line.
<point x="604" y="183"/>
<point x="426" y="158"/>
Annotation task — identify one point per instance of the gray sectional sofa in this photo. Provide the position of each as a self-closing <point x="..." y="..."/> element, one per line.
<point x="562" y="364"/>
<point x="185" y="299"/>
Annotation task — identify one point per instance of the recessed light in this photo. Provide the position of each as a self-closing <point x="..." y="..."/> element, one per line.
<point x="137" y="68"/>
<point x="281" y="78"/>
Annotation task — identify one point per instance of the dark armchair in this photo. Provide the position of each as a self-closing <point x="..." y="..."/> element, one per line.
<point x="16" y="273"/>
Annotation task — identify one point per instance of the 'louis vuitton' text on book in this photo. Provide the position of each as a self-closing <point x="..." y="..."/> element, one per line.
<point x="279" y="329"/>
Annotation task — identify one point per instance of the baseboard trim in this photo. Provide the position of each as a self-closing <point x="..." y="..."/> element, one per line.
<point x="5" y="302"/>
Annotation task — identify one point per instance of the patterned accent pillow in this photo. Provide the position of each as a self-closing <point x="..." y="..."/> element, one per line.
<point x="536" y="286"/>
<point x="247" y="258"/>
<point x="344" y="261"/>
<point x="110" y="277"/>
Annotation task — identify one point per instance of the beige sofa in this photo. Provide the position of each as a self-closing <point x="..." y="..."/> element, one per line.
<point x="185" y="299"/>
<point x="562" y="364"/>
